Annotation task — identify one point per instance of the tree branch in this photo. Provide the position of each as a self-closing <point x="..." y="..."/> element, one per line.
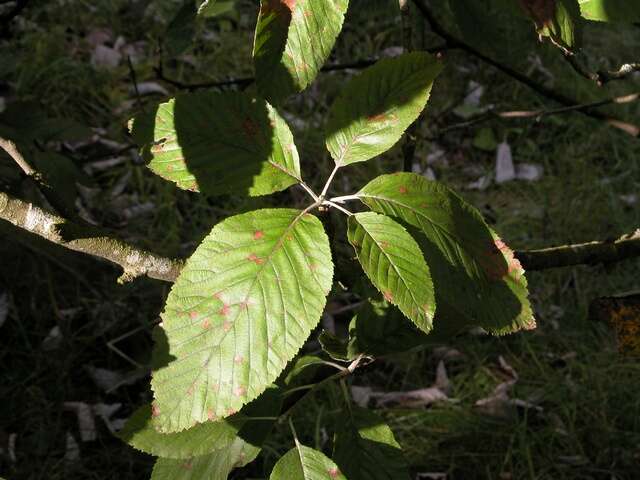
<point x="454" y="42"/>
<point x="137" y="262"/>
<point x="134" y="261"/>
<point x="627" y="246"/>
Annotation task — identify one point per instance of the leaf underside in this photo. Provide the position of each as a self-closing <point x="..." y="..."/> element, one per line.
<point x="219" y="143"/>
<point x="242" y="307"/>
<point x="304" y="463"/>
<point x="477" y="279"/>
<point x="392" y="260"/>
<point x="293" y="40"/>
<point x="627" y="11"/>
<point x="376" y="107"/>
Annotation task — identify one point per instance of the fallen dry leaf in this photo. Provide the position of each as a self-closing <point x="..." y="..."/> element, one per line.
<point x="505" y="171"/>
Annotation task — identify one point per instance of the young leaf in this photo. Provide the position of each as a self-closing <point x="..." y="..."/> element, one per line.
<point x="293" y="40"/>
<point x="223" y="143"/>
<point x="394" y="263"/>
<point x="242" y="307"/>
<point x="304" y="463"/>
<point x="216" y="465"/>
<point x="477" y="279"/>
<point x="557" y="19"/>
<point x="376" y="107"/>
<point x="611" y="10"/>
<point x="365" y="448"/>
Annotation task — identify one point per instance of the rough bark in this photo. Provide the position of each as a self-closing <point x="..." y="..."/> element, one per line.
<point x="134" y="261"/>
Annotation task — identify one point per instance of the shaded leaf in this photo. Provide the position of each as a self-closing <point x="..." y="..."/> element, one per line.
<point x="379" y="328"/>
<point x="304" y="463"/>
<point x="394" y="263"/>
<point x="293" y="40"/>
<point x="557" y="19"/>
<point x="181" y="30"/>
<point x="336" y="347"/>
<point x="365" y="448"/>
<point x="223" y="143"/>
<point x="242" y="307"/>
<point x="461" y="250"/>
<point x="376" y="107"/>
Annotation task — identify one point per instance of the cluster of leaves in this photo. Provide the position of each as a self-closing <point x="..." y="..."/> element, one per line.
<point x="256" y="287"/>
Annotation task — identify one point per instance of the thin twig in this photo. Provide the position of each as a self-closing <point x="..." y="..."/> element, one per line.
<point x="539" y="114"/>
<point x="12" y="150"/>
<point x="454" y="42"/>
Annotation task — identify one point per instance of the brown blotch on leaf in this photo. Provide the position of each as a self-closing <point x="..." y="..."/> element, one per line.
<point x="226" y="326"/>
<point x="388" y="296"/>
<point x="249" y="127"/>
<point x="402" y="189"/>
<point x="224" y="311"/>
<point x="381" y="117"/>
<point x="254" y="258"/>
<point x="187" y="465"/>
<point x="258" y="234"/>
<point x="206" y="324"/>
<point x="155" y="410"/>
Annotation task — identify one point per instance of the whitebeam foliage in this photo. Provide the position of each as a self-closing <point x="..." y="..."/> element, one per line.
<point x="256" y="287"/>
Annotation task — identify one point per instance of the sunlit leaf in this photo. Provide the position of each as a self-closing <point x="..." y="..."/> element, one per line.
<point x="376" y="107"/>
<point x="477" y="279"/>
<point x="293" y="40"/>
<point x="611" y="10"/>
<point x="304" y="463"/>
<point x="242" y="307"/>
<point x="223" y="143"/>
<point x="394" y="263"/>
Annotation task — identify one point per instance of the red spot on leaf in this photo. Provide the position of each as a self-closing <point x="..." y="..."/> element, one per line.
<point x="226" y="326"/>
<point x="249" y="127"/>
<point x="193" y="315"/>
<point x="402" y="189"/>
<point x="224" y="311"/>
<point x="333" y="472"/>
<point x="240" y="391"/>
<point x="381" y="117"/>
<point x="211" y="416"/>
<point x="190" y="389"/>
<point x="291" y="4"/>
<point x="258" y="234"/>
<point x="231" y="411"/>
<point x="238" y="359"/>
<point x="155" y="410"/>
<point x="388" y="296"/>
<point x="206" y="324"/>
<point x="254" y="258"/>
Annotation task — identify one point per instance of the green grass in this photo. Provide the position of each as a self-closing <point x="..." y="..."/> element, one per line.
<point x="589" y="426"/>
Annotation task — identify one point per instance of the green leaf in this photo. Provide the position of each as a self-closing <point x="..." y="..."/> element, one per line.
<point x="304" y="463"/>
<point x="203" y="438"/>
<point x="213" y="466"/>
<point x="181" y="30"/>
<point x="365" y="448"/>
<point x="478" y="281"/>
<point x="198" y="440"/>
<point x="293" y="40"/>
<point x="379" y="328"/>
<point x="376" y="107"/>
<point x="611" y="10"/>
<point x="336" y="347"/>
<point x="223" y="143"/>
<point x="213" y="8"/>
<point x="557" y="19"/>
<point x="394" y="263"/>
<point x="242" y="307"/>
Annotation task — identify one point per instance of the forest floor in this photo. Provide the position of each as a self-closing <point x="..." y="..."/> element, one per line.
<point x="571" y="409"/>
